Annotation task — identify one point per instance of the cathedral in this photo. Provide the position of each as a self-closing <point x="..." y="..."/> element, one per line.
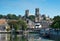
<point x="39" y="21"/>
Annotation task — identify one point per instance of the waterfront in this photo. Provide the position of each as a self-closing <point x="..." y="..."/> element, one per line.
<point x="14" y="37"/>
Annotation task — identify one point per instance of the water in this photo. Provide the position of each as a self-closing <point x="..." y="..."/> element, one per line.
<point x="14" y="37"/>
<point x="36" y="37"/>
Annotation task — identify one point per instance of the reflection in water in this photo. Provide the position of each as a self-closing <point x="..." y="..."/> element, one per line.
<point x="36" y="37"/>
<point x="4" y="37"/>
<point x="14" y="37"/>
<point x="9" y="37"/>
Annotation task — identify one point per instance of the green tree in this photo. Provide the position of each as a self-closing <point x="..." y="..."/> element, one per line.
<point x="1" y="16"/>
<point x="19" y="16"/>
<point x="12" y="16"/>
<point x="17" y="24"/>
<point x="56" y="23"/>
<point x="56" y="18"/>
<point x="13" y="24"/>
<point x="22" y="24"/>
<point x="9" y="16"/>
<point x="32" y="17"/>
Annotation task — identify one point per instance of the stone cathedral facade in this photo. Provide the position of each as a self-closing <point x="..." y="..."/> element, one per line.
<point x="38" y="22"/>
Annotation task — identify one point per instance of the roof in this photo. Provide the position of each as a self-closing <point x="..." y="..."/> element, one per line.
<point x="2" y="21"/>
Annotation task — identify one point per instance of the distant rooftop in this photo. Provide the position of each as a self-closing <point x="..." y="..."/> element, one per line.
<point x="2" y="21"/>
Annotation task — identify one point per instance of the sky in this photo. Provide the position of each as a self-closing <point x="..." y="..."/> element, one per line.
<point x="48" y="7"/>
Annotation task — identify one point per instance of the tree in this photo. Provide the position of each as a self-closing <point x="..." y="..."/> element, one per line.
<point x="22" y="24"/>
<point x="17" y="24"/>
<point x="19" y="16"/>
<point x="13" y="24"/>
<point x="9" y="16"/>
<point x="1" y="16"/>
<point x="56" y="18"/>
<point x="56" y="23"/>
<point x="12" y="16"/>
<point x="32" y="17"/>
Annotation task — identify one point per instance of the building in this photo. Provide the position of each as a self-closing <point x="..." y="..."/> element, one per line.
<point x="41" y="21"/>
<point x="3" y="25"/>
<point x="26" y="13"/>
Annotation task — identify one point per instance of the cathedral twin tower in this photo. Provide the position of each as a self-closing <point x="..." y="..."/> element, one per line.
<point x="37" y="14"/>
